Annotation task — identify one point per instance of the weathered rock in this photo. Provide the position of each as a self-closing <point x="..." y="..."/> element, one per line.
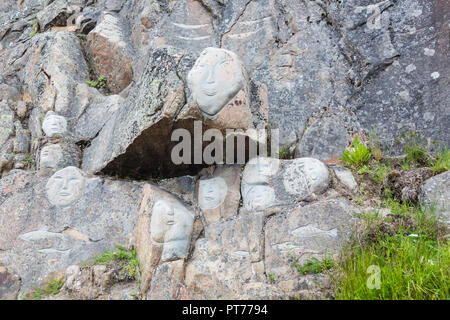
<point x="398" y="53"/>
<point x="9" y="284"/>
<point x="435" y="193"/>
<point x="39" y="237"/>
<point x="312" y="231"/>
<point x="405" y="185"/>
<point x="56" y="14"/>
<point x="55" y="68"/>
<point x="93" y="119"/>
<point x="21" y="140"/>
<point x="111" y="52"/>
<point x="346" y="177"/>
<point x="327" y="138"/>
<point x="6" y="122"/>
<point x="227" y="258"/>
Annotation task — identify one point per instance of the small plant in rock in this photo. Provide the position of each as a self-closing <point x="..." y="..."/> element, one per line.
<point x="357" y="155"/>
<point x="51" y="288"/>
<point x="415" y="150"/>
<point x="314" y="265"/>
<point x="127" y="260"/>
<point x="35" y="26"/>
<point x="271" y="277"/>
<point x="284" y="153"/>
<point x="100" y="83"/>
<point x="441" y="161"/>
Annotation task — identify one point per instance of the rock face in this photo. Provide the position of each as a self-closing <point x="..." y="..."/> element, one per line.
<point x="62" y="220"/>
<point x="313" y="231"/>
<point x="434" y="193"/>
<point x="140" y="163"/>
<point x="327" y="138"/>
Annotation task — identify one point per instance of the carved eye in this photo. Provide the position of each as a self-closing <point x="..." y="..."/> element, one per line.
<point x="58" y="178"/>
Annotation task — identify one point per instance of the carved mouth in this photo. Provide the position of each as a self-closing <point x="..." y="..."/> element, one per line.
<point x="209" y="92"/>
<point x="170" y="222"/>
<point x="209" y="198"/>
<point x="64" y="194"/>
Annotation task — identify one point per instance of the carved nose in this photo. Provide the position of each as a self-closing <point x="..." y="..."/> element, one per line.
<point x="210" y="78"/>
<point x="65" y="183"/>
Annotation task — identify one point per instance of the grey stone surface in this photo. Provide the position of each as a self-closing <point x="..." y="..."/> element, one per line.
<point x="39" y="238"/>
<point x="6" y="122"/>
<point x="346" y="177"/>
<point x="313" y="231"/>
<point x="435" y="193"/>
<point x="56" y="14"/>
<point x="399" y="60"/>
<point x="327" y="138"/>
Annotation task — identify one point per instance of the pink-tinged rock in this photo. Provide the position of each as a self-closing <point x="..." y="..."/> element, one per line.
<point x="111" y="52"/>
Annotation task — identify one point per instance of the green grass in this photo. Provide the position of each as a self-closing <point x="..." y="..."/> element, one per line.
<point x="51" y="288"/>
<point x="411" y="259"/>
<point x="441" y="161"/>
<point x="127" y="259"/>
<point x="35" y="26"/>
<point x="314" y="265"/>
<point x="377" y="171"/>
<point x="284" y="153"/>
<point x="100" y="83"/>
<point x="357" y="155"/>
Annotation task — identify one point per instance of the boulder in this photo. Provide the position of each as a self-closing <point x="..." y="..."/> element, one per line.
<point x="435" y="193"/>
<point x="111" y="52"/>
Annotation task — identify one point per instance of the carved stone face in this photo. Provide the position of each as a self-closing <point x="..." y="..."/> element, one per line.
<point x="50" y="156"/>
<point x="54" y="125"/>
<point x="259" y="197"/>
<point x="215" y="79"/>
<point x="305" y="175"/>
<point x="259" y="169"/>
<point x="65" y="186"/>
<point x="212" y="193"/>
<point x="163" y="218"/>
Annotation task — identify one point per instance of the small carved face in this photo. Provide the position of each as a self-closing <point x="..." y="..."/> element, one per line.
<point x="50" y="156"/>
<point x="212" y="193"/>
<point x="163" y="218"/>
<point x="215" y="79"/>
<point x="54" y="125"/>
<point x="65" y="186"/>
<point x="259" y="197"/>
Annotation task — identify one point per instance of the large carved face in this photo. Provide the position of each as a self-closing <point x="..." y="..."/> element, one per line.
<point x="211" y="193"/>
<point x="259" y="197"/>
<point x="259" y="169"/>
<point x="305" y="175"/>
<point x="54" y="125"/>
<point x="170" y="222"/>
<point x="65" y="186"/>
<point x="50" y="156"/>
<point x="215" y="79"/>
